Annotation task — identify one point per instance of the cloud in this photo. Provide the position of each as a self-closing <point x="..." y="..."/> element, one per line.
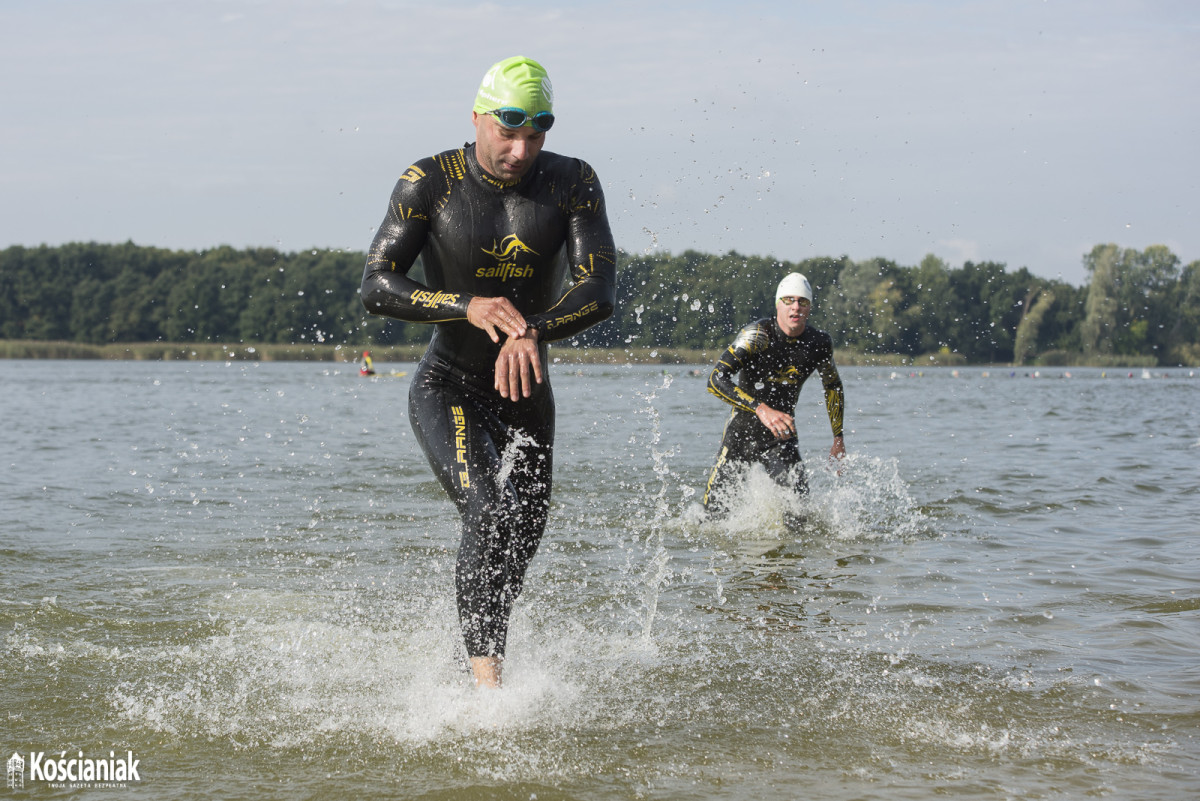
<point x="889" y="129"/>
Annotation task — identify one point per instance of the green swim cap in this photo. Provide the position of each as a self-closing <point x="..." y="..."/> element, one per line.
<point x="516" y="82"/>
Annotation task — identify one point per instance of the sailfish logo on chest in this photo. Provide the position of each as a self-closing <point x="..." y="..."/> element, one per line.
<point x="506" y="253"/>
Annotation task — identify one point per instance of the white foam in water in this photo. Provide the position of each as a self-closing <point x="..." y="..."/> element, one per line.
<point x="758" y="505"/>
<point x="433" y="701"/>
<point x="868" y="500"/>
<point x="864" y="499"/>
<point x="295" y="680"/>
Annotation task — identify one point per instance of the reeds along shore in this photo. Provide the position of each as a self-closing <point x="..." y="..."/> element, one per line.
<point x="213" y="351"/>
<point x="216" y="351"/>
<point x="223" y="352"/>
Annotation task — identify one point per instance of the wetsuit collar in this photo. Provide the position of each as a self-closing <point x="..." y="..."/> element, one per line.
<point x="489" y="180"/>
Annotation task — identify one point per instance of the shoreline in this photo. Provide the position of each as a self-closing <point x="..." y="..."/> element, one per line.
<point x="561" y="354"/>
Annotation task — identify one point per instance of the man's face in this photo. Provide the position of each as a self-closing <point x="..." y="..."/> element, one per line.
<point x="792" y="315"/>
<point x="506" y="153"/>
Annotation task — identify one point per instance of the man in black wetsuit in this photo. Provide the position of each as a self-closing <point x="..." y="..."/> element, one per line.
<point x="774" y="356"/>
<point x="500" y="225"/>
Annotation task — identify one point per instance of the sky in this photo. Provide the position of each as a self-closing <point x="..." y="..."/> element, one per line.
<point x="1023" y="132"/>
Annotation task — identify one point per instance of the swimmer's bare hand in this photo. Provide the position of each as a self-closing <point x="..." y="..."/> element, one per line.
<point x="496" y="315"/>
<point x="837" y="453"/>
<point x="517" y="363"/>
<point x="838" y="450"/>
<point x="781" y="424"/>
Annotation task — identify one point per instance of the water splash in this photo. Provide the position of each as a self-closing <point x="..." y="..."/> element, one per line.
<point x="864" y="499"/>
<point x="861" y="498"/>
<point x="295" y="677"/>
<point x="657" y="572"/>
<point x="512" y="452"/>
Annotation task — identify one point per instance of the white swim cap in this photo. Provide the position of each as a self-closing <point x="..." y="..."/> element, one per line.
<point x="794" y="285"/>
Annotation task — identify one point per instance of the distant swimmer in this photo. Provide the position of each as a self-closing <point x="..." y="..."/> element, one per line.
<point x="772" y="358"/>
<point x="499" y="225"/>
<point x="365" y="365"/>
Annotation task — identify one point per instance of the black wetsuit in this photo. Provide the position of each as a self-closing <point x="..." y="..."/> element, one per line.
<point x="773" y="367"/>
<point x="478" y="236"/>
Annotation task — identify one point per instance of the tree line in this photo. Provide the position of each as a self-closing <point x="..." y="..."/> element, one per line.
<point x="1136" y="307"/>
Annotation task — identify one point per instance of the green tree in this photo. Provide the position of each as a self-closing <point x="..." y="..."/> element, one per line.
<point x="1136" y="303"/>
<point x="1183" y="334"/>
<point x="1037" y="304"/>
<point x="862" y="290"/>
<point x="984" y="317"/>
<point x="1130" y="300"/>
<point x="928" y="319"/>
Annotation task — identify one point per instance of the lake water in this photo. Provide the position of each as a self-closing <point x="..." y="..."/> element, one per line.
<point x="241" y="575"/>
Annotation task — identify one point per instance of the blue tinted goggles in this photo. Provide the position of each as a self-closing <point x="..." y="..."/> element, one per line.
<point x="516" y="117"/>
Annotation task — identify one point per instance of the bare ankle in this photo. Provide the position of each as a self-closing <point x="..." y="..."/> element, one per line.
<point x="486" y="671"/>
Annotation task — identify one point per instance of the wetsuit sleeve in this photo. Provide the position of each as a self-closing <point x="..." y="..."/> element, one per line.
<point x="386" y="286"/>
<point x="835" y="396"/>
<point x="592" y="258"/>
<point x="721" y="381"/>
